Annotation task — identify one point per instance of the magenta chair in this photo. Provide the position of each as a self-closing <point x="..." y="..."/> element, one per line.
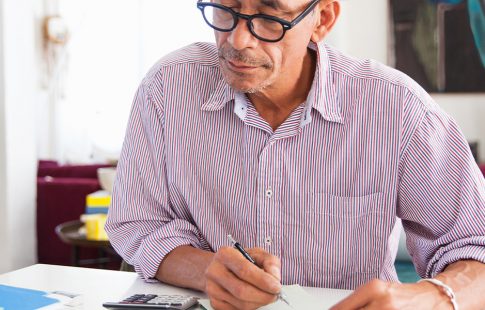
<point x="61" y="197"/>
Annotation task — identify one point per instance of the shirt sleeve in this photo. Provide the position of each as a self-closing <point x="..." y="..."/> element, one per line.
<point x="143" y="224"/>
<point x="441" y="196"/>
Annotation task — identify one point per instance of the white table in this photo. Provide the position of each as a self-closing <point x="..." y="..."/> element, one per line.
<point x="98" y="286"/>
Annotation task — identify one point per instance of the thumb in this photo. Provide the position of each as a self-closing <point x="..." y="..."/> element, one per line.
<point x="268" y="262"/>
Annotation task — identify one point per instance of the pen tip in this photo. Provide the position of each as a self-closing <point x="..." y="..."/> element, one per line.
<point x="283" y="298"/>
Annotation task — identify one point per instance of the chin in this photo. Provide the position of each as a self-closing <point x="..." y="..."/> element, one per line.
<point x="245" y="84"/>
<point x="247" y="89"/>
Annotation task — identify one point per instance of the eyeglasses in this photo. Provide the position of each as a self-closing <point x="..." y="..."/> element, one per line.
<point x="264" y="27"/>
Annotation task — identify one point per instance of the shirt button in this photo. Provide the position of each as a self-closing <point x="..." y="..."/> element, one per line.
<point x="269" y="193"/>
<point x="268" y="240"/>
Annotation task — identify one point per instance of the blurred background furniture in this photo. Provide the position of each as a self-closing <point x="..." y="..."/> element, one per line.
<point x="69" y="233"/>
<point x="61" y="197"/>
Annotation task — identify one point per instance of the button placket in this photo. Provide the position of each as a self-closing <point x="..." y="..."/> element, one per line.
<point x="269" y="193"/>
<point x="268" y="240"/>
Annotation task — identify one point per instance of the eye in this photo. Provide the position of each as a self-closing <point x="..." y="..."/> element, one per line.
<point x="269" y="24"/>
<point x="278" y="14"/>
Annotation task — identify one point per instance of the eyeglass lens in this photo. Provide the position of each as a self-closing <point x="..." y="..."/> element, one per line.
<point x="223" y="20"/>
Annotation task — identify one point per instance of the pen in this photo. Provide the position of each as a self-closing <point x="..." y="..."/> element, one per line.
<point x="238" y="247"/>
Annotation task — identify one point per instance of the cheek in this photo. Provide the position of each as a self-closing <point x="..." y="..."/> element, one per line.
<point x="279" y="62"/>
<point x="293" y="55"/>
<point x="221" y="38"/>
<point x="282" y="62"/>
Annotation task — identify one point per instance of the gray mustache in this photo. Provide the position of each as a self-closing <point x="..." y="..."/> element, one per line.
<point x="231" y="54"/>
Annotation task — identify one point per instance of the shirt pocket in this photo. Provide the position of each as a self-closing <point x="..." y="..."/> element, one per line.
<point x="350" y="236"/>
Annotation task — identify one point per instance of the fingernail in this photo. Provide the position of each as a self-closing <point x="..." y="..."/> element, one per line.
<point x="276" y="272"/>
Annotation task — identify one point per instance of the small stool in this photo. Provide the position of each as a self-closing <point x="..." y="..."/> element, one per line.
<point x="68" y="232"/>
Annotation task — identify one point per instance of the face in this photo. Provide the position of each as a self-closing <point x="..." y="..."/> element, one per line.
<point x="251" y="65"/>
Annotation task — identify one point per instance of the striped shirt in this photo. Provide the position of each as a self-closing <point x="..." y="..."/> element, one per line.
<point x="326" y="191"/>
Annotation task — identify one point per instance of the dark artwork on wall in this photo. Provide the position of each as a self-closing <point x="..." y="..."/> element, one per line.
<point x="441" y="43"/>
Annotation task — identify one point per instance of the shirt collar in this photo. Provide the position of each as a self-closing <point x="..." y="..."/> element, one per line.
<point x="322" y="96"/>
<point x="222" y="94"/>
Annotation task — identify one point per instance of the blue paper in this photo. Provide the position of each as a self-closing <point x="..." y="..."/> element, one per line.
<point x="16" y="298"/>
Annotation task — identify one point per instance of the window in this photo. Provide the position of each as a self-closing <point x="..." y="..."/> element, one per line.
<point x="112" y="45"/>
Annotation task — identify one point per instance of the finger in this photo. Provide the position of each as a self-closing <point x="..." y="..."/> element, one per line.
<point x="237" y="287"/>
<point x="267" y="261"/>
<point x="219" y="293"/>
<point x="221" y="305"/>
<point x="362" y="296"/>
<point x="248" y="272"/>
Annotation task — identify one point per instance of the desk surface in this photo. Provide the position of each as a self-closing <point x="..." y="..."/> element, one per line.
<point x="98" y="286"/>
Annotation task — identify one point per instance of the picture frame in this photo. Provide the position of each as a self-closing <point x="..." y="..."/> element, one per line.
<point x="440" y="44"/>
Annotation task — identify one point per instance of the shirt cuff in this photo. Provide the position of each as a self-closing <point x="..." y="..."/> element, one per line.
<point x="442" y="259"/>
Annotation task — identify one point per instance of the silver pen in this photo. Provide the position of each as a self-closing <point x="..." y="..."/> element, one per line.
<point x="237" y="246"/>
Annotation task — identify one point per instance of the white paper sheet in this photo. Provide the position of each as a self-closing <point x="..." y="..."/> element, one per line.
<point x="296" y="295"/>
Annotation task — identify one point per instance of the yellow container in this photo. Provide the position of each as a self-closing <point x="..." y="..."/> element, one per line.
<point x="98" y="199"/>
<point x="95" y="226"/>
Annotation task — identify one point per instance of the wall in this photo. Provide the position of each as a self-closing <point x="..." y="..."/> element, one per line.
<point x="3" y="174"/>
<point x="362" y="29"/>
<point x="17" y="136"/>
<point x="46" y="93"/>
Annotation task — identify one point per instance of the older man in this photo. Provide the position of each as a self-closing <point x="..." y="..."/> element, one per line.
<point x="308" y="156"/>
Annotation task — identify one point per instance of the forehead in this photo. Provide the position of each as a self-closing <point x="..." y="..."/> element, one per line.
<point x="280" y="5"/>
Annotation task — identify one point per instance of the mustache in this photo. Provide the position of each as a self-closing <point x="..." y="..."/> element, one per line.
<point x="231" y="54"/>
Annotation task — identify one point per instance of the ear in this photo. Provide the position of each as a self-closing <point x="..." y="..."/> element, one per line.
<point x="328" y="12"/>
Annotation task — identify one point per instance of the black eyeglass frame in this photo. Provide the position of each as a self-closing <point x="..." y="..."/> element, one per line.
<point x="287" y="25"/>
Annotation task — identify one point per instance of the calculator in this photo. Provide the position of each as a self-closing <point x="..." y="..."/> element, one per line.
<point x="154" y="301"/>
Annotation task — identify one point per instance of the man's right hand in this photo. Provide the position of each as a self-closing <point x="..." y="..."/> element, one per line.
<point x="232" y="282"/>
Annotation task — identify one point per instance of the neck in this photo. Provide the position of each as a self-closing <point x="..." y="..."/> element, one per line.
<point x="277" y="102"/>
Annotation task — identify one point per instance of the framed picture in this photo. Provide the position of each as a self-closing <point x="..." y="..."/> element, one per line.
<point x="440" y="43"/>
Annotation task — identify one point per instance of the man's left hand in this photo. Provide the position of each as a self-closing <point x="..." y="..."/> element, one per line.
<point x="378" y="294"/>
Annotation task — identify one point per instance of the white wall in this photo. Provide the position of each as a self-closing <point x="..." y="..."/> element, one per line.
<point x="362" y="29"/>
<point x="93" y="113"/>
<point x="17" y="138"/>
<point x="3" y="174"/>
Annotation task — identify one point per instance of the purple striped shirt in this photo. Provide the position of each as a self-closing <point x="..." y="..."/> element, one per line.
<point x="325" y="192"/>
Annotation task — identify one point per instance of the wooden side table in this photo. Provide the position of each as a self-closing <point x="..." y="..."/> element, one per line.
<point x="68" y="232"/>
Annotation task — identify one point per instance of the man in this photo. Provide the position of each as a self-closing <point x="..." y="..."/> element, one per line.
<point x="303" y="154"/>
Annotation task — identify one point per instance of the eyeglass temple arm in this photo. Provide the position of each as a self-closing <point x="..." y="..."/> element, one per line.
<point x="304" y="13"/>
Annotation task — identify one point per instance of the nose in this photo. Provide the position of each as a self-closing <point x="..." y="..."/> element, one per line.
<point x="241" y="38"/>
